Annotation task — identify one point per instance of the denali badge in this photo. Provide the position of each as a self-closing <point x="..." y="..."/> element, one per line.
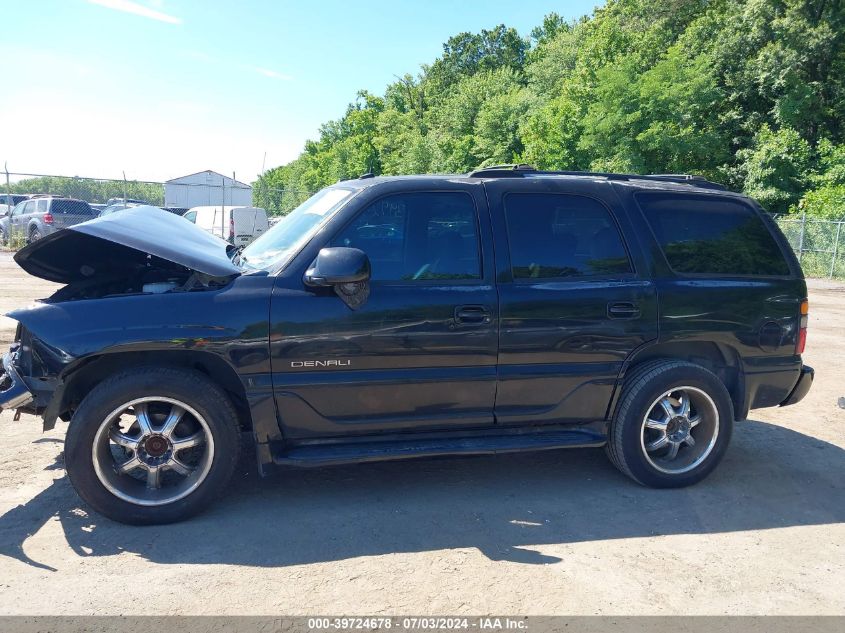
<point x="321" y="363"/>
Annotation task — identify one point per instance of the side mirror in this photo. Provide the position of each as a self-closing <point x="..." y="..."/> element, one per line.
<point x="338" y="265"/>
<point x="346" y="270"/>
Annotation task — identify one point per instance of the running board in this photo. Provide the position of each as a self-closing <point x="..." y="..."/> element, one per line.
<point x="324" y="454"/>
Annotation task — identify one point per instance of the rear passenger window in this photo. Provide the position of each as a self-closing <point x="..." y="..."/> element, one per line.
<point x="71" y="207"/>
<point x="561" y="235"/>
<point x="712" y="235"/>
<point x="418" y="236"/>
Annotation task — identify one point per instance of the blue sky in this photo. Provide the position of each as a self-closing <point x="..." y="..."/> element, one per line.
<point x="162" y="88"/>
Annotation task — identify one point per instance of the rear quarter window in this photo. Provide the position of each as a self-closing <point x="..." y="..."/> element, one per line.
<point x="704" y="234"/>
<point x="71" y="207"/>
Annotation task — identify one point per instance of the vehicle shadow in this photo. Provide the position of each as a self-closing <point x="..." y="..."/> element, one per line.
<point x="503" y="505"/>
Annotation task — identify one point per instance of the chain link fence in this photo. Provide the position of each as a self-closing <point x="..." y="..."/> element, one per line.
<point x="33" y="206"/>
<point x="818" y="244"/>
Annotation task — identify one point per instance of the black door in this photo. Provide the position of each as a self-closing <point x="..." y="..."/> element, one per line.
<point x="421" y="352"/>
<point x="572" y="304"/>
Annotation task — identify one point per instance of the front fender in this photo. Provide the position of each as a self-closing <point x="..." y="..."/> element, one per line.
<point x="220" y="321"/>
<point x="231" y="323"/>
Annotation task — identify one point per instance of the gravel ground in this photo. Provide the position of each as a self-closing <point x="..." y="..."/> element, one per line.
<point x="551" y="533"/>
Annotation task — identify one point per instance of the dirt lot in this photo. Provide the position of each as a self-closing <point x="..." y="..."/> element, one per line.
<point x="553" y="533"/>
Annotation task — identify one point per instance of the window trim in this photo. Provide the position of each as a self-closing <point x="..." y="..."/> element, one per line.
<point x="481" y="280"/>
<point x="631" y="274"/>
<point x="697" y="194"/>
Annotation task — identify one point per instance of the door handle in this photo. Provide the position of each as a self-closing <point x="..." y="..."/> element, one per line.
<point x="623" y="310"/>
<point x="472" y="315"/>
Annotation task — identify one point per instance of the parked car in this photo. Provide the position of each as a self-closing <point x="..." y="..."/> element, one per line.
<point x="118" y="206"/>
<point x="134" y="201"/>
<point x="42" y="215"/>
<point x="238" y="225"/>
<point x="9" y="200"/>
<point x="506" y="310"/>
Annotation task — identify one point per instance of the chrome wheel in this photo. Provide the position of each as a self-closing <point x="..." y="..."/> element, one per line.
<point x="679" y="430"/>
<point x="153" y="451"/>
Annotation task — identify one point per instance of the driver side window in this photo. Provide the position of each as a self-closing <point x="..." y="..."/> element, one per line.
<point x="417" y="237"/>
<point x="23" y="207"/>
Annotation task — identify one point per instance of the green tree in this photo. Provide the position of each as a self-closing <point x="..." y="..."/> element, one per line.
<point x="748" y="92"/>
<point x="776" y="167"/>
<point x="663" y="119"/>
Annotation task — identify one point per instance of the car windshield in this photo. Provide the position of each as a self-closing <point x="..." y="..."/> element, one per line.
<point x="275" y="247"/>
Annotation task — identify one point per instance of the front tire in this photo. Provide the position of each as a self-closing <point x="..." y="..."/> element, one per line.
<point x="672" y="425"/>
<point x="152" y="445"/>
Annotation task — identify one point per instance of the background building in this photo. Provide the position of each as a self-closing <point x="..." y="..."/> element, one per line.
<point x="206" y="188"/>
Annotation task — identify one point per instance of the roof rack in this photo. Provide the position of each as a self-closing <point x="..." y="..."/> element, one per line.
<point x="502" y="171"/>
<point x="521" y="170"/>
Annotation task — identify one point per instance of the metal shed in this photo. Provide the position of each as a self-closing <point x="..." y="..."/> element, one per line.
<point x="206" y="188"/>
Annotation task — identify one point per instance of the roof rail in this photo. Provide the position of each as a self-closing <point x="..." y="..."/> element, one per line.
<point x="521" y="170"/>
<point x="502" y="171"/>
<point x="685" y="179"/>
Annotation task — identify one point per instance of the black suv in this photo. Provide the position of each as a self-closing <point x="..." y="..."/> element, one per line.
<point x="504" y="310"/>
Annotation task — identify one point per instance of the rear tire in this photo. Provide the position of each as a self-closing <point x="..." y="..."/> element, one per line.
<point x="672" y="425"/>
<point x="152" y="445"/>
<point x="34" y="235"/>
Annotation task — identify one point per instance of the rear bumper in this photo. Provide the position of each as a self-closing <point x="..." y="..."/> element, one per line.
<point x="805" y="381"/>
<point x="13" y="390"/>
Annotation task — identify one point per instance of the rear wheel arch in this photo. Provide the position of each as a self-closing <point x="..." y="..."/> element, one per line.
<point x="722" y="360"/>
<point x="98" y="368"/>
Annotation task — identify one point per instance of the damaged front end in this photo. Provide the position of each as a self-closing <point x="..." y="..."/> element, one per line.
<point x="14" y="392"/>
<point x="27" y="382"/>
<point x="123" y="274"/>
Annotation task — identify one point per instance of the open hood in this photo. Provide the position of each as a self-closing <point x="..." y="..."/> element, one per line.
<point x="132" y="237"/>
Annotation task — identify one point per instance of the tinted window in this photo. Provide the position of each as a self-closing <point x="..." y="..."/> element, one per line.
<point x="71" y="207"/>
<point x="559" y="235"/>
<point x="417" y="236"/>
<point x="712" y="235"/>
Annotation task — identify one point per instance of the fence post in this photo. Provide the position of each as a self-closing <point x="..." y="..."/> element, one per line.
<point x="835" y="250"/>
<point x="801" y="237"/>
<point x="8" y="186"/>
